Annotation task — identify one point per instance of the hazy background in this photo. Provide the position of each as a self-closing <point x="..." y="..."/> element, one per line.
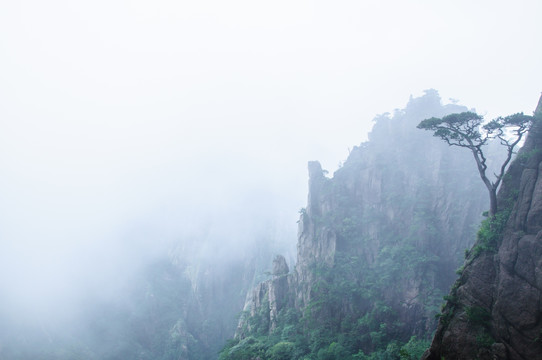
<point x="129" y="126"/>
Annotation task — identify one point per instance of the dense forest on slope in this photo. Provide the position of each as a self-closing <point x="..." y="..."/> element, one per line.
<point x="378" y="246"/>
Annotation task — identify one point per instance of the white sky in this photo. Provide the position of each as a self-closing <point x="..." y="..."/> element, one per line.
<point x="115" y="114"/>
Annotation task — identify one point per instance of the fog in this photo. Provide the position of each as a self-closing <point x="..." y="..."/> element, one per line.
<point x="128" y="128"/>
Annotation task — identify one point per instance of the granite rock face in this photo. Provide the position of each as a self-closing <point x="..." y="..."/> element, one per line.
<point x="280" y="266"/>
<point x="404" y="206"/>
<point x="267" y="298"/>
<point x="495" y="308"/>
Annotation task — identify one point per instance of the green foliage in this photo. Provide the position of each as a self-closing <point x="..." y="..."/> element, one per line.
<point x="525" y="156"/>
<point x="335" y="351"/>
<point x="414" y="349"/>
<point x="259" y="323"/>
<point x="346" y="319"/>
<point x="490" y="234"/>
<point x="456" y="129"/>
<point x="484" y="340"/>
<point x="466" y="130"/>
<point x="445" y="317"/>
<point x="390" y="352"/>
<point x="479" y="320"/>
<point x="388" y="244"/>
<point x="245" y="349"/>
<point x="460" y="270"/>
<point x="451" y="299"/>
<point x="281" y="351"/>
<point x="478" y="316"/>
<point x="349" y="315"/>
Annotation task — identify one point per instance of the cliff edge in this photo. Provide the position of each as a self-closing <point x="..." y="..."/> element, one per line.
<point x="378" y="246"/>
<point x="494" y="310"/>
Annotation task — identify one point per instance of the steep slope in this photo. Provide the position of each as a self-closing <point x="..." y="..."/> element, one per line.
<point x="495" y="308"/>
<point x="378" y="245"/>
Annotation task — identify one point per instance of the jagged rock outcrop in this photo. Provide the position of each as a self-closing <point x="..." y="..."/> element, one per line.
<point x="494" y="310"/>
<point x="280" y="266"/>
<point x="378" y="244"/>
<point x="268" y="298"/>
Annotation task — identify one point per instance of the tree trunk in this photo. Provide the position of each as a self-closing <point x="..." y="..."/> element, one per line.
<point x="492" y="202"/>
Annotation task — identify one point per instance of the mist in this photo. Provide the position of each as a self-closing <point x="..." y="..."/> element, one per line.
<point x="130" y="130"/>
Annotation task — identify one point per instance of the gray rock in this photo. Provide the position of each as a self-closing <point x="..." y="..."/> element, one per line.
<point x="508" y="284"/>
<point x="280" y="267"/>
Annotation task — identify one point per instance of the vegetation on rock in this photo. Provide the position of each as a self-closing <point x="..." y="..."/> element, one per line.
<point x="377" y="249"/>
<point x="493" y="310"/>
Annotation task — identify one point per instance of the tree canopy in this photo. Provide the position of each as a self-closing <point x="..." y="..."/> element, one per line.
<point x="468" y="130"/>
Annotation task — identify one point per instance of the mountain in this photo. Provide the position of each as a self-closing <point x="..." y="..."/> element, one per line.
<point x="494" y="310"/>
<point x="179" y="306"/>
<point x="378" y="245"/>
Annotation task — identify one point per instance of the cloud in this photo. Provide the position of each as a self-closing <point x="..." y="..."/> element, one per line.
<point x="127" y="123"/>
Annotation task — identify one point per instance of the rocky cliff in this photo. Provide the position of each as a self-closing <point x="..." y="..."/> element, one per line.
<point x="378" y="243"/>
<point x="494" y="310"/>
